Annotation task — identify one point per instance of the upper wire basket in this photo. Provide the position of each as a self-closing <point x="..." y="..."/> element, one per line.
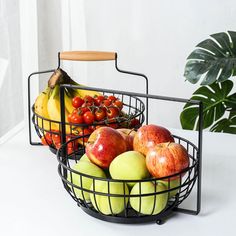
<point x="103" y="201"/>
<point x="132" y="115"/>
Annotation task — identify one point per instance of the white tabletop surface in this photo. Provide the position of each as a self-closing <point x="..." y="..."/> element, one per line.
<point x="33" y="201"/>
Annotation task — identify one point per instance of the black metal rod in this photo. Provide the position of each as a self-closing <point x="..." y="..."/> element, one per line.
<point x="29" y="114"/>
<point x="140" y="75"/>
<point x="165" y="98"/>
<point x="185" y="211"/>
<point x="200" y="128"/>
<point x="29" y="104"/>
<point x="59" y="60"/>
<point x="63" y="118"/>
<point x="63" y="128"/>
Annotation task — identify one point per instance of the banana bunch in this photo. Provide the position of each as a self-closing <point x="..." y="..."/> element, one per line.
<point x="47" y="104"/>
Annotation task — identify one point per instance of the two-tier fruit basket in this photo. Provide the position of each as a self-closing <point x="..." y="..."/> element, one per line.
<point x="121" y="200"/>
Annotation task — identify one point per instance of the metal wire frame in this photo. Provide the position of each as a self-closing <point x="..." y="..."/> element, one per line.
<point x="29" y="104"/>
<point x="193" y="173"/>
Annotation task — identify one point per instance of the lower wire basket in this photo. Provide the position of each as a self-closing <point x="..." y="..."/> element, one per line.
<point x="126" y="201"/>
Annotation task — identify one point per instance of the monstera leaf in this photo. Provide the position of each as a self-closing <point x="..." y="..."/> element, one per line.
<point x="216" y="100"/>
<point x="226" y="125"/>
<point x="213" y="59"/>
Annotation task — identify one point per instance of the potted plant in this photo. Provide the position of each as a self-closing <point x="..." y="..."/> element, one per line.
<point x="213" y="64"/>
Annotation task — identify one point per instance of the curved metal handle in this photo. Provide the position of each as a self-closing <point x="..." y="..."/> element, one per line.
<point x="87" y="56"/>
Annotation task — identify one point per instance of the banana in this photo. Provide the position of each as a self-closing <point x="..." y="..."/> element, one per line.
<point x="40" y="108"/>
<point x="54" y="109"/>
<point x="68" y="102"/>
<point x="41" y="102"/>
<point x="82" y="93"/>
<point x="53" y="105"/>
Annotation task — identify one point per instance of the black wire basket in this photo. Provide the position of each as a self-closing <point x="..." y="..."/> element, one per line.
<point x="133" y="107"/>
<point x="102" y="199"/>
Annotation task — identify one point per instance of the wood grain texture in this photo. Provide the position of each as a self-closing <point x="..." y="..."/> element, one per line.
<point x="87" y="56"/>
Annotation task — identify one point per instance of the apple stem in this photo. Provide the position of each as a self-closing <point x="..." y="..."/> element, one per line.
<point x="130" y="131"/>
<point x="168" y="144"/>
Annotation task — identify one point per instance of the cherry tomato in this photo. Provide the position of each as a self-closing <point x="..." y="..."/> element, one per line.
<point x="113" y="123"/>
<point x="56" y="138"/>
<point x="89" y="104"/>
<point x="77" y="102"/>
<point x="88" y="98"/>
<point x="47" y="139"/>
<point x="118" y="103"/>
<point x="92" y="127"/>
<point x="69" y="117"/>
<point x="71" y="144"/>
<point x="43" y="141"/>
<point x="57" y="145"/>
<point x="112" y="112"/>
<point x="75" y="111"/>
<point x="135" y="123"/>
<point x="112" y="98"/>
<point x="106" y="102"/>
<point x="85" y="135"/>
<point x="100" y="114"/>
<point x="88" y="117"/>
<point x="83" y="109"/>
<point x="70" y="150"/>
<point x="77" y="119"/>
<point x="98" y="100"/>
<point x="104" y="109"/>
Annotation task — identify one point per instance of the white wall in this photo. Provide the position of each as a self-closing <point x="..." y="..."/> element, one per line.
<point x="11" y="97"/>
<point x="49" y="37"/>
<point x="74" y="36"/>
<point x="153" y="37"/>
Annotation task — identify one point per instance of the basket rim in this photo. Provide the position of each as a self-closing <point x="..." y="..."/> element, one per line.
<point x="131" y="116"/>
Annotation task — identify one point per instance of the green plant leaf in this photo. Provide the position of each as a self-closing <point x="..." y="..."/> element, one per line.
<point x="226" y="125"/>
<point x="216" y="100"/>
<point x="213" y="59"/>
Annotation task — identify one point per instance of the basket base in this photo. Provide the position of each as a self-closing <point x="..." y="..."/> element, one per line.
<point x="159" y="219"/>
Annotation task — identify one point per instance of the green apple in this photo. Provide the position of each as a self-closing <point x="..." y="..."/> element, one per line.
<point x="150" y="205"/>
<point x="84" y="167"/>
<point x="109" y="205"/>
<point x="129" y="165"/>
<point x="85" y="158"/>
<point x="170" y="185"/>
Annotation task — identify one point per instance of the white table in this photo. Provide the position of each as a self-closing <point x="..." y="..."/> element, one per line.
<point x="33" y="201"/>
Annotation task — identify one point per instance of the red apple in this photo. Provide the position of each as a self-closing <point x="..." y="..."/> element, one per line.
<point x="149" y="136"/>
<point x="166" y="159"/>
<point x="104" y="144"/>
<point x="128" y="135"/>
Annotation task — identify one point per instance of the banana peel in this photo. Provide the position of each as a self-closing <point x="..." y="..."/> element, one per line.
<point x="61" y="77"/>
